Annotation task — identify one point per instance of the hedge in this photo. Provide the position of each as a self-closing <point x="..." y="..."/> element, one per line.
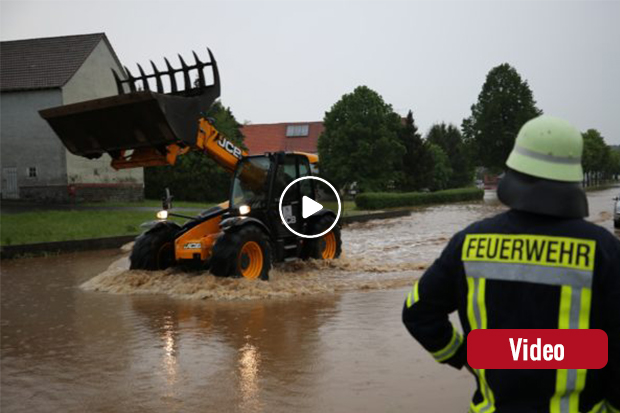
<point x="382" y="200"/>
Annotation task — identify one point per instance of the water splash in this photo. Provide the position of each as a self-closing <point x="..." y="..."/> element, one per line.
<point x="377" y="254"/>
<point x="297" y="278"/>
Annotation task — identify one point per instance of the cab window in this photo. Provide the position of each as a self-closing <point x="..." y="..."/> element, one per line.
<point x="305" y="186"/>
<point x="287" y="173"/>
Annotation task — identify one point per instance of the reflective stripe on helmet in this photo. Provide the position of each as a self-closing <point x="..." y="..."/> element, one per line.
<point x="548" y="158"/>
<point x="548" y="148"/>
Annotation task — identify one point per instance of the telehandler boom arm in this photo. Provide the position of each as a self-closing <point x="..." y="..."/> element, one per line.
<point x="208" y="140"/>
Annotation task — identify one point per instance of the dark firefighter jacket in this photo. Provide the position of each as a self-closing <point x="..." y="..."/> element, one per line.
<point x="523" y="271"/>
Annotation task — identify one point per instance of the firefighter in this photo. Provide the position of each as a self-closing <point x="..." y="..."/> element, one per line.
<point x="539" y="265"/>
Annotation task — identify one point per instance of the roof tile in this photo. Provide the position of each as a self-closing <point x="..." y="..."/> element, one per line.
<point x="43" y="63"/>
<point x="271" y="137"/>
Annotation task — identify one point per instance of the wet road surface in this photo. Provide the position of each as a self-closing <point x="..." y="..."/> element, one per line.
<point x="80" y="333"/>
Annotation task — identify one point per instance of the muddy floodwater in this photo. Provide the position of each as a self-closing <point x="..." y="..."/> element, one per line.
<point x="81" y="333"/>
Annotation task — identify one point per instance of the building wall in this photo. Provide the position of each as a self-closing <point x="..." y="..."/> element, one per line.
<point x="94" y="80"/>
<point x="28" y="141"/>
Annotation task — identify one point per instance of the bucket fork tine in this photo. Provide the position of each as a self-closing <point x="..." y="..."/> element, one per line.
<point x="185" y="69"/>
<point x="173" y="81"/>
<point x="190" y="88"/>
<point x="160" y="86"/>
<point x="216" y="72"/>
<point x="200" y="66"/>
<point x="119" y="83"/>
<point x="131" y="80"/>
<point x="145" y="82"/>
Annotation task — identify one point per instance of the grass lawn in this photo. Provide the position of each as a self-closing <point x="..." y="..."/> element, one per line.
<point x="34" y="227"/>
<point x="47" y="226"/>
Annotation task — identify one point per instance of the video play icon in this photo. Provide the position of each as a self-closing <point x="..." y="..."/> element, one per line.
<point x="294" y="215"/>
<point x="309" y="207"/>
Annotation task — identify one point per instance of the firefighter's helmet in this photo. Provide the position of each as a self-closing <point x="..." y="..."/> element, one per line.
<point x="548" y="148"/>
<point x="544" y="170"/>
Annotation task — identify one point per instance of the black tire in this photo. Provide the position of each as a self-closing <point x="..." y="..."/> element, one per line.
<point x="227" y="259"/>
<point x="315" y="247"/>
<point x="154" y="249"/>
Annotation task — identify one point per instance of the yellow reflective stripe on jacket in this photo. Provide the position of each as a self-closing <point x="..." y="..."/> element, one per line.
<point x="540" y="259"/>
<point x="451" y="348"/>
<point x="488" y="403"/>
<point x="611" y="408"/>
<point x="477" y="316"/>
<point x="413" y="296"/>
<point x="574" y="313"/>
<point x="476" y="307"/>
<point x="603" y="407"/>
<point x="598" y="407"/>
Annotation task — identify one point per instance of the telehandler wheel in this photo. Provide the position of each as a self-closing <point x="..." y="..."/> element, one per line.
<point x="327" y="247"/>
<point x="154" y="250"/>
<point x="243" y="253"/>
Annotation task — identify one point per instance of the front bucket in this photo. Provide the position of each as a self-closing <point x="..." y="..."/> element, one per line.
<point x="139" y="119"/>
<point x="123" y="122"/>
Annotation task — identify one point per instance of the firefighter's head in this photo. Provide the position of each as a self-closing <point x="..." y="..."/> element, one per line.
<point x="544" y="170"/>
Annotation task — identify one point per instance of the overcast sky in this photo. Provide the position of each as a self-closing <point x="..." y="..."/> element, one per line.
<point x="291" y="61"/>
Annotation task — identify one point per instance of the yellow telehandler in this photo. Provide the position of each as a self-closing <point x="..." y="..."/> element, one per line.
<point x="149" y="123"/>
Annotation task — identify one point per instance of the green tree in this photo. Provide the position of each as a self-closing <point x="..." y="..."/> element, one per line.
<point x="195" y="176"/>
<point x="441" y="169"/>
<point x="450" y="140"/>
<point x="360" y="142"/>
<point x="413" y="173"/>
<point x="599" y="160"/>
<point x="505" y="103"/>
<point x="613" y="167"/>
<point x="595" y="151"/>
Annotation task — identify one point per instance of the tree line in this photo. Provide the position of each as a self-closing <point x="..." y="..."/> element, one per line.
<point x="368" y="147"/>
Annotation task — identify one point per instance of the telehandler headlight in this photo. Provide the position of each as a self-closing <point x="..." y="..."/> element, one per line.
<point x="244" y="209"/>
<point x="163" y="215"/>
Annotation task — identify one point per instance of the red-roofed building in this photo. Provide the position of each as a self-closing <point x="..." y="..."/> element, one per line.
<point x="274" y="137"/>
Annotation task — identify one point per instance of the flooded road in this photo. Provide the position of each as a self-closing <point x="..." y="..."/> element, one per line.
<point x="80" y="333"/>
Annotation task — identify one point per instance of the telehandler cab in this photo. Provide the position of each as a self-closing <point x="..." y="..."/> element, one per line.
<point x="146" y="125"/>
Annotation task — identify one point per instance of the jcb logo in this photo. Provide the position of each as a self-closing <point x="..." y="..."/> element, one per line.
<point x="192" y="246"/>
<point x="230" y="147"/>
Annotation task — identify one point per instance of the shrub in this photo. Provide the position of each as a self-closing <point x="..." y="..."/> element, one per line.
<point x="382" y="200"/>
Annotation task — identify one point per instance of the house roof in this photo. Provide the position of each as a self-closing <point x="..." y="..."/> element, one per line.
<point x="45" y="63"/>
<point x="271" y="137"/>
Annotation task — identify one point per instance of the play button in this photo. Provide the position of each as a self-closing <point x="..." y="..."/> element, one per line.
<point x="296" y="215"/>
<point x="309" y="207"/>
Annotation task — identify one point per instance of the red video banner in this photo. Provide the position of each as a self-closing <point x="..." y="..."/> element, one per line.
<point x="537" y="349"/>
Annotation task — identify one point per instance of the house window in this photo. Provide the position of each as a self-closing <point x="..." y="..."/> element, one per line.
<point x="32" y="172"/>
<point x="293" y="131"/>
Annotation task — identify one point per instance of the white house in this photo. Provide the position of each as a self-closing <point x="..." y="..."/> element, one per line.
<point x="42" y="73"/>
